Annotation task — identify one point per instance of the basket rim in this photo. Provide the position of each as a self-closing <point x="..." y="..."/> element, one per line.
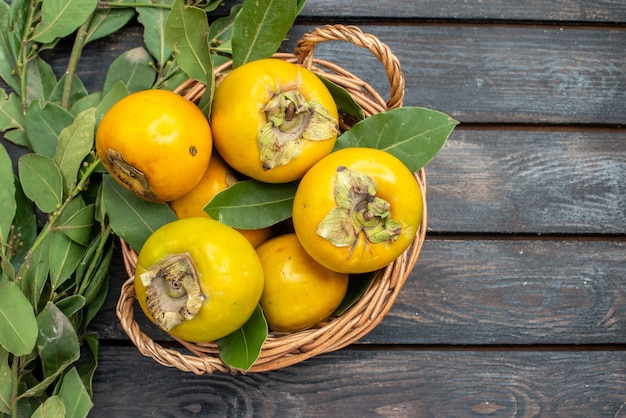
<point x="285" y="349"/>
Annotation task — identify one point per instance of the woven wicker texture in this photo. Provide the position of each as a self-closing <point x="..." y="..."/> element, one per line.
<point x="284" y="349"/>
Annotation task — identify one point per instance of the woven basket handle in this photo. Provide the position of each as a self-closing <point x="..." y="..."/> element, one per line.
<point x="354" y="35"/>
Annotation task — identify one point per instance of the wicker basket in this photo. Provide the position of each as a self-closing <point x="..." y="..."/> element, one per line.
<point x="285" y="349"/>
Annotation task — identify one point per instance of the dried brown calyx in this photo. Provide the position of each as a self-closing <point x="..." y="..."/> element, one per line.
<point x="359" y="210"/>
<point x="173" y="294"/>
<point x="290" y="120"/>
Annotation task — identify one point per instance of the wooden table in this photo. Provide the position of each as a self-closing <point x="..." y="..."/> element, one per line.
<point x="517" y="304"/>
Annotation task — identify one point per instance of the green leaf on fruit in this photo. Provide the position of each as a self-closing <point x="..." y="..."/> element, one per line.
<point x="251" y="204"/>
<point x="344" y="100"/>
<point x="412" y="134"/>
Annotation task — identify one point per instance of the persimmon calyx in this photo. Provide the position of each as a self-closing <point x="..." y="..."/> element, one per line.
<point x="358" y="210"/>
<point x="290" y="120"/>
<point x="135" y="179"/>
<point x="173" y="294"/>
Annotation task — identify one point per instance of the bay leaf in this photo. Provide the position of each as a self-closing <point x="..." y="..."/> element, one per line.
<point x="60" y="18"/>
<point x="412" y="134"/>
<point x="8" y="202"/>
<point x="133" y="68"/>
<point x="107" y="21"/>
<point x="187" y="31"/>
<point x="243" y="347"/>
<point x="25" y="224"/>
<point x="260" y="28"/>
<point x="7" y="55"/>
<point x="344" y="100"/>
<point x="71" y="304"/>
<point x="6" y="383"/>
<point x="131" y="218"/>
<point x="57" y="345"/>
<point x="65" y="255"/>
<point x="12" y="120"/>
<point x="153" y="21"/>
<point x="77" y="224"/>
<point x="18" y="326"/>
<point x="251" y="204"/>
<point x="42" y="181"/>
<point x="77" y="92"/>
<point x="52" y="407"/>
<point x="41" y="80"/>
<point x="75" y="143"/>
<point x="44" y="125"/>
<point x="74" y="395"/>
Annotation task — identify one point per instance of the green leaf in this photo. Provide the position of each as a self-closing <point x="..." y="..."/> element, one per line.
<point x="18" y="327"/>
<point x="41" y="80"/>
<point x="6" y="383"/>
<point x="260" y="28"/>
<point x="36" y="271"/>
<point x="187" y="31"/>
<point x="132" y="218"/>
<point x="57" y="345"/>
<point x="113" y="95"/>
<point x="107" y="21"/>
<point x="75" y="143"/>
<point x="12" y="119"/>
<point x="65" y="255"/>
<point x="51" y="408"/>
<point x="412" y="134"/>
<point x="133" y="68"/>
<point x="153" y="20"/>
<point x="344" y="100"/>
<point x="8" y="203"/>
<point x="59" y="18"/>
<point x="74" y="395"/>
<point x="7" y="56"/>
<point x="251" y="204"/>
<point x="242" y="348"/>
<point x="77" y="224"/>
<point x="71" y="304"/>
<point x="44" y="125"/>
<point x="85" y="102"/>
<point x="221" y="30"/>
<point x="25" y="224"/>
<point x="88" y="368"/>
<point x="77" y="93"/>
<point x="42" y="181"/>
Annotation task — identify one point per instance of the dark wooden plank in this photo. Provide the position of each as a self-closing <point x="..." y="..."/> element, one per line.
<point x="487" y="292"/>
<point x="529" y="181"/>
<point x="499" y="73"/>
<point x="609" y="11"/>
<point x="511" y="292"/>
<point x="353" y="383"/>
<point x="475" y="73"/>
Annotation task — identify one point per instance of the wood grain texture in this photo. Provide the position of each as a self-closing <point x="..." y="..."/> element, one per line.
<point x="486" y="292"/>
<point x="608" y="11"/>
<point x="529" y="181"/>
<point x="498" y="73"/>
<point x="365" y="383"/>
<point x="476" y="73"/>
